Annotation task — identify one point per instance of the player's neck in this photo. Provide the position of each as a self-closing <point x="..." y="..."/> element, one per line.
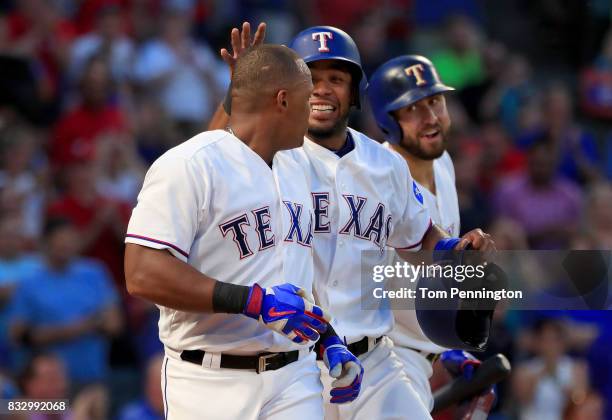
<point x="256" y="138"/>
<point x="333" y="142"/>
<point x="420" y="169"/>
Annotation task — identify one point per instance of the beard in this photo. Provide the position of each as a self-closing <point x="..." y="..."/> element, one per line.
<point x="317" y="133"/>
<point x="422" y="150"/>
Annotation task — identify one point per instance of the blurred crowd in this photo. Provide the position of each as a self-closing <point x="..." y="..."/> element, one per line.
<point x="93" y="91"/>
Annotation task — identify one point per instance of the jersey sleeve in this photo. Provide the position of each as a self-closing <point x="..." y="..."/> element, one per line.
<point x="408" y="231"/>
<point x="170" y="206"/>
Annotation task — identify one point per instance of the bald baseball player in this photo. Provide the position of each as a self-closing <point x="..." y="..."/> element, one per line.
<point x="408" y="101"/>
<point x="213" y="242"/>
<point x="364" y="199"/>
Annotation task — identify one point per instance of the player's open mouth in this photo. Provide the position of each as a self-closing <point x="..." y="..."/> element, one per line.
<point x="430" y="135"/>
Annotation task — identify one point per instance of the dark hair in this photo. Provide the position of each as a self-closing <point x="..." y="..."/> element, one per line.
<point x="267" y="68"/>
<point x="541" y="324"/>
<point x="28" y="372"/>
<point x="53" y="224"/>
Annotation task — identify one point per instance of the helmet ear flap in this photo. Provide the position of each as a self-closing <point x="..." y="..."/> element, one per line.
<point x="392" y="129"/>
<point x="358" y="89"/>
<point x="355" y="96"/>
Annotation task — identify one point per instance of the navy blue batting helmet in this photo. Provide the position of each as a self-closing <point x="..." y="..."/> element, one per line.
<point x="452" y="321"/>
<point x="398" y="83"/>
<point x="329" y="43"/>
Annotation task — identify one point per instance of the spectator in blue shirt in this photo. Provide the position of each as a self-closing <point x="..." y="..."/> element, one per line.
<point x="151" y="406"/>
<point x="579" y="158"/>
<point x="67" y="306"/>
<point x="15" y="265"/>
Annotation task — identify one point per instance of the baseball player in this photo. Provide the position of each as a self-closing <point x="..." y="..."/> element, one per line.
<point x="364" y="199"/>
<point x="211" y="240"/>
<point x="407" y="98"/>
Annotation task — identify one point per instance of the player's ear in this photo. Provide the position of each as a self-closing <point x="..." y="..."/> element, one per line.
<point x="282" y="100"/>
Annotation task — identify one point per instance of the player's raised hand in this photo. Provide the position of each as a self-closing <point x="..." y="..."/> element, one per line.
<point x="240" y="41"/>
<point x="287" y="310"/>
<point x="343" y="366"/>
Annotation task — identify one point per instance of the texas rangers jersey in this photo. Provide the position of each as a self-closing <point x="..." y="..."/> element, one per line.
<point x="215" y="204"/>
<point x="362" y="201"/>
<point x="444" y="210"/>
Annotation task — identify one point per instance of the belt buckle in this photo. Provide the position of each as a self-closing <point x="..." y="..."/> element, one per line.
<point x="262" y="364"/>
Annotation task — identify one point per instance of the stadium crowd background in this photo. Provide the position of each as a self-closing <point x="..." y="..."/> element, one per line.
<point x="92" y="91"/>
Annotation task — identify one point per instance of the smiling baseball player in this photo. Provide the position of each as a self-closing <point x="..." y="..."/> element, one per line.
<point x="213" y="237"/>
<point x="407" y="98"/>
<point x="364" y="200"/>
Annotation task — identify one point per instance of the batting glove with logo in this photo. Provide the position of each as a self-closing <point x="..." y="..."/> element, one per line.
<point x="343" y="366"/>
<point x="459" y="363"/>
<point x="287" y="310"/>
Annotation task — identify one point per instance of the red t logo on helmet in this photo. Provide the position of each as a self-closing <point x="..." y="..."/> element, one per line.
<point x="322" y="37"/>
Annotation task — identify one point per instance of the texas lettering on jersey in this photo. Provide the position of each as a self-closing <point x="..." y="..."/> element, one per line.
<point x="374" y="229"/>
<point x="258" y="223"/>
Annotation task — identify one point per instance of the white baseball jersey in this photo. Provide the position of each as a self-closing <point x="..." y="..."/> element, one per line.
<point x="444" y="210"/>
<point x="215" y="204"/>
<point x="362" y="201"/>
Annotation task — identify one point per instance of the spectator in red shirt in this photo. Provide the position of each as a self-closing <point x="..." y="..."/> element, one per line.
<point x="76" y="134"/>
<point x="37" y="30"/>
<point x="501" y="158"/>
<point x="102" y="221"/>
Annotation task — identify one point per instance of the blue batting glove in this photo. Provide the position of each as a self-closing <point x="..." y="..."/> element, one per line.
<point x="460" y="363"/>
<point x="343" y="366"/>
<point x="287" y="310"/>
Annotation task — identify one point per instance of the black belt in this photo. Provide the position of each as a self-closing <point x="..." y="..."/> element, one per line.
<point x="259" y="362"/>
<point x="360" y="347"/>
<point x="357" y="348"/>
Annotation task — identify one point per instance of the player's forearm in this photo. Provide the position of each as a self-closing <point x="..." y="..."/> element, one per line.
<point x="159" y="277"/>
<point x="433" y="236"/>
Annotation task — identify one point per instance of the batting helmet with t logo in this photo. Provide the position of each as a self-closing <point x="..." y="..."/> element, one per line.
<point x="329" y="43"/>
<point x="400" y="82"/>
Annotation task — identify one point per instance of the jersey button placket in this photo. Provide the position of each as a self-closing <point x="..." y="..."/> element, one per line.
<point x="339" y="181"/>
<point x="340" y="213"/>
